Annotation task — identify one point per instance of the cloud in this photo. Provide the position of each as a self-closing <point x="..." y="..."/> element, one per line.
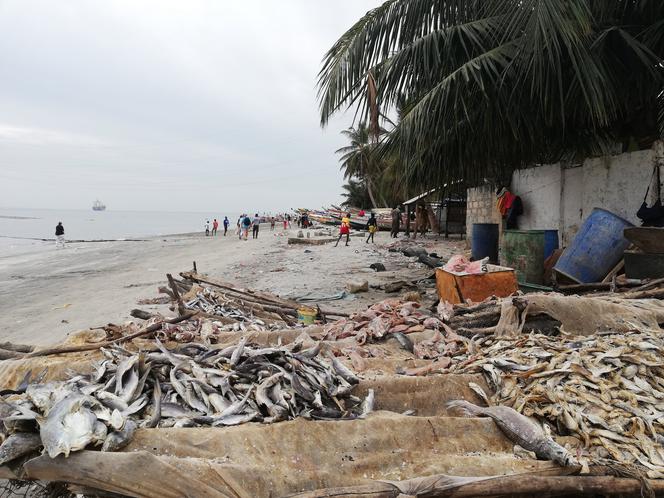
<point x="136" y="102"/>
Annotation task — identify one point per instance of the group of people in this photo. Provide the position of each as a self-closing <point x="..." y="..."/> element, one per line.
<point x="215" y="227"/>
<point x="419" y="217"/>
<point x="245" y="223"/>
<point x="372" y="228"/>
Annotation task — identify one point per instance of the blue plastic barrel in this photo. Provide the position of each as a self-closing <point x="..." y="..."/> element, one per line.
<point x="597" y="248"/>
<point x="550" y="242"/>
<point x="484" y="241"/>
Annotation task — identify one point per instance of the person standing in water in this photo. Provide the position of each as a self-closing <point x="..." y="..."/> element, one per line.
<point x="59" y="236"/>
<point x="226" y="223"/>
<point x="372" y="226"/>
<point x="344" y="229"/>
<point x="215" y="225"/>
<point x="256" y="224"/>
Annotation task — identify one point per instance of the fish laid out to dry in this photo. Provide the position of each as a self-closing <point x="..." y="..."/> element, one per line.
<point x="607" y="389"/>
<point x="243" y="315"/>
<point x="519" y="429"/>
<point x="388" y="317"/>
<point x="191" y="385"/>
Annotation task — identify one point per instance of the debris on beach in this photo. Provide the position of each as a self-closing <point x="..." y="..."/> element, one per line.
<point x="190" y="385"/>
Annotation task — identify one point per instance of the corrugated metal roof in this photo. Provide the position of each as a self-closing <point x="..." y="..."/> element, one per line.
<point x="421" y="196"/>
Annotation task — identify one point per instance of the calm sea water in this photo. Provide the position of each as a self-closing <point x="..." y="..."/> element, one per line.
<point x="19" y="226"/>
<point x="90" y="225"/>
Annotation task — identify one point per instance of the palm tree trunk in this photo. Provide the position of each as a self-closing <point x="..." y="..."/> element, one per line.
<point x="370" y="191"/>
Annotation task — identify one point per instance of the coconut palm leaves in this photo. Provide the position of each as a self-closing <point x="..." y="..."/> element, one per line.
<point x="492" y="85"/>
<point x="359" y="159"/>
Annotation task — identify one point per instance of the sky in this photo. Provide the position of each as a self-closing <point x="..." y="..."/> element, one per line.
<point x="192" y="105"/>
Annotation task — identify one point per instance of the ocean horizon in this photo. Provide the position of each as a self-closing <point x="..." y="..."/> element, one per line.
<point x="86" y="224"/>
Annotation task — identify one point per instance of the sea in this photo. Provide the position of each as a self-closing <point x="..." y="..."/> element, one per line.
<point x="21" y="228"/>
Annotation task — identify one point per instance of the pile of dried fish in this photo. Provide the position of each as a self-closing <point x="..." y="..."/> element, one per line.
<point x="191" y="385"/>
<point x="607" y="389"/>
<point x="243" y="316"/>
<point x="390" y="316"/>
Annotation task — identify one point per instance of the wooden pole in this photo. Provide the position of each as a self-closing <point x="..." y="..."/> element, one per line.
<point x="258" y="297"/>
<point x="91" y="347"/>
<point x="181" y="307"/>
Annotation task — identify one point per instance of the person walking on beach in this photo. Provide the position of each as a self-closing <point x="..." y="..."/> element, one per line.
<point x="396" y="221"/>
<point x="207" y="228"/>
<point x="344" y="229"/>
<point x="372" y="226"/>
<point x="256" y="224"/>
<point x="246" y="224"/>
<point x="272" y="223"/>
<point x="215" y="225"/>
<point x="285" y="222"/>
<point x="226" y="223"/>
<point x="238" y="232"/>
<point x="59" y="236"/>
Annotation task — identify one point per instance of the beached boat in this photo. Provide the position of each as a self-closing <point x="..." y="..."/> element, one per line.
<point x="98" y="206"/>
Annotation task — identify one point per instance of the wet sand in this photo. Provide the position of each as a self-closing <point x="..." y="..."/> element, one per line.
<point x="46" y="294"/>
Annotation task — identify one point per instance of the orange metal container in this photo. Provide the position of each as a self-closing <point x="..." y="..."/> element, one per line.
<point x="456" y="288"/>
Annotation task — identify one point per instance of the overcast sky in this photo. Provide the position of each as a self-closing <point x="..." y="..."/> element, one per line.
<point x="195" y="105"/>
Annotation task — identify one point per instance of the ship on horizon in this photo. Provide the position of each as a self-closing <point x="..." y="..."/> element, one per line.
<point x="98" y="206"/>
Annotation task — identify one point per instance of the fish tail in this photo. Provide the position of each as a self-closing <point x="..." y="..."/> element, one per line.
<point x="468" y="409"/>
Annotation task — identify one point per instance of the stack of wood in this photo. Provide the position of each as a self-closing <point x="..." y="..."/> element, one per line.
<point x="230" y="306"/>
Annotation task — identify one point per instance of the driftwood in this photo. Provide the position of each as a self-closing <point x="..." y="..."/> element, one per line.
<point x="414" y="251"/>
<point x="255" y="296"/>
<point x="573" y="288"/>
<point x="167" y="291"/>
<point x="19" y="348"/>
<point x="510" y="485"/>
<point x="486" y="317"/>
<point x="613" y="273"/>
<point x="462" y="309"/>
<point x="430" y="261"/>
<point x="181" y="307"/>
<point x="141" y="314"/>
<point x="91" y="347"/>
<point x="651" y="285"/>
<point x="6" y="354"/>
<point x="642" y="294"/>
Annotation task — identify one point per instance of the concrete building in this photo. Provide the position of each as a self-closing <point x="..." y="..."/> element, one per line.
<point x="560" y="196"/>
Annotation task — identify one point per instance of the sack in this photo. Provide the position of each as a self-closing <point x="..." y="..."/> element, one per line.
<point x="652" y="216"/>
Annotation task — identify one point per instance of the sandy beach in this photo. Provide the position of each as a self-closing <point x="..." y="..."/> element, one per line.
<point x="46" y="294"/>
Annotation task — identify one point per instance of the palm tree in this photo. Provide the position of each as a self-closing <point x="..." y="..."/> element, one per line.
<point x="356" y="194"/>
<point x="358" y="160"/>
<point x="494" y="85"/>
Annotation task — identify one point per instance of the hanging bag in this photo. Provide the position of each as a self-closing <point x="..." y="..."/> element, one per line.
<point x="652" y="216"/>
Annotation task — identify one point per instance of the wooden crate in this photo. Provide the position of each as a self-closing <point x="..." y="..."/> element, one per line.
<point x="455" y="288"/>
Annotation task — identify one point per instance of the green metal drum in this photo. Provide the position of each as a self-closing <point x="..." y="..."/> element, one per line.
<point x="523" y="250"/>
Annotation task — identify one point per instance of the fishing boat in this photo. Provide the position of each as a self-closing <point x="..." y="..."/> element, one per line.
<point x="98" y="206"/>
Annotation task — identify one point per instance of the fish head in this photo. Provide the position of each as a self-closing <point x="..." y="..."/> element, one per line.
<point x="561" y="456"/>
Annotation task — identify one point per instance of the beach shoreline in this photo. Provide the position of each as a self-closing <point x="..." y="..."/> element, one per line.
<point x="47" y="294"/>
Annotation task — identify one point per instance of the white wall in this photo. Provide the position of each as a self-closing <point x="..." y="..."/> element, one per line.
<point x="539" y="189"/>
<point x="571" y="205"/>
<point x="617" y="183"/>
<point x="561" y="197"/>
